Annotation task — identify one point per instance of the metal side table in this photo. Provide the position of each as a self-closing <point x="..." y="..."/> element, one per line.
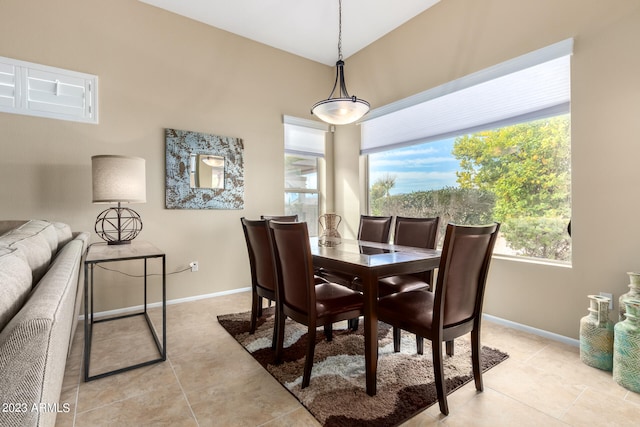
<point x="102" y="253"/>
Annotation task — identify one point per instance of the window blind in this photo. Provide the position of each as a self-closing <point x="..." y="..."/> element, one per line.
<point x="40" y="90"/>
<point x="529" y="87"/>
<point x="304" y="137"/>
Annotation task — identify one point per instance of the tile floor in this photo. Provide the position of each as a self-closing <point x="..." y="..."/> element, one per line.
<point x="209" y="380"/>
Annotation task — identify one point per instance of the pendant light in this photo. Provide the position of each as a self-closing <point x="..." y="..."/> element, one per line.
<point x="343" y="109"/>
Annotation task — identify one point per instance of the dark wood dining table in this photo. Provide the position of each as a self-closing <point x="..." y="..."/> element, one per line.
<point x="371" y="261"/>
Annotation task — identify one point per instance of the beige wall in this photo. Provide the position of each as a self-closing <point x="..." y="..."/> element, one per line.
<point x="458" y="37"/>
<point x="159" y="70"/>
<point x="156" y="70"/>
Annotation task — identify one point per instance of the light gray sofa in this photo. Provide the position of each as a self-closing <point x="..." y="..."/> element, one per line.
<point x="41" y="288"/>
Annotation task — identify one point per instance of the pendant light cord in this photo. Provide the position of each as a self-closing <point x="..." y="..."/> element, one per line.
<point x="340" y="30"/>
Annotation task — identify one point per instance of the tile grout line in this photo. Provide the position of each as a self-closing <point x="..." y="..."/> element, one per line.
<point x="184" y="394"/>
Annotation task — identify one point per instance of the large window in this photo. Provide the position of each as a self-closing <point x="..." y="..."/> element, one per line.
<point x="491" y="146"/>
<point x="304" y="142"/>
<point x="518" y="175"/>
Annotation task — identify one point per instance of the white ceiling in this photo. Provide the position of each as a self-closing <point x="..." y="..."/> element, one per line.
<point x="307" y="28"/>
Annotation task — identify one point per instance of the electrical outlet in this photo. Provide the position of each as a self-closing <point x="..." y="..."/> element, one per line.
<point x="194" y="266"/>
<point x="610" y="296"/>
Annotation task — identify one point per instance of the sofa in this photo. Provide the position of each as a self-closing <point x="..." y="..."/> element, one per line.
<point x="41" y="288"/>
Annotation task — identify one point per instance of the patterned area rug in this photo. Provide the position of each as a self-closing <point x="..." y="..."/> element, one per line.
<point x="336" y="395"/>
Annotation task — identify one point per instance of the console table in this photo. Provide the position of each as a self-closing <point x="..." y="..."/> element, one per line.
<point x="102" y="253"/>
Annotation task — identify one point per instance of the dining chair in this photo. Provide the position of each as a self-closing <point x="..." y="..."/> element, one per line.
<point x="454" y="308"/>
<point x="263" y="284"/>
<point x="298" y="297"/>
<point x="283" y="218"/>
<point x="417" y="233"/>
<point x="374" y="228"/>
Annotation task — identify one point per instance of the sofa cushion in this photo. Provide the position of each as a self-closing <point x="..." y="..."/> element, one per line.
<point x="45" y="229"/>
<point x="36" y="242"/>
<point x="15" y="284"/>
<point x="64" y="233"/>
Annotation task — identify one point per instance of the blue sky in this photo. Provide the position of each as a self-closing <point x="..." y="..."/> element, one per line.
<point x="426" y="166"/>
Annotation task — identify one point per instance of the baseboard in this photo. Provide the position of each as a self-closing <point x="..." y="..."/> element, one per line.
<point x="531" y="330"/>
<point x="126" y="310"/>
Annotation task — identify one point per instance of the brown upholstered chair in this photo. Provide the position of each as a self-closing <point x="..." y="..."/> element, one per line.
<point x="263" y="283"/>
<point x="374" y="228"/>
<point x="455" y="307"/>
<point x="298" y="297"/>
<point x="283" y="218"/>
<point x="418" y="233"/>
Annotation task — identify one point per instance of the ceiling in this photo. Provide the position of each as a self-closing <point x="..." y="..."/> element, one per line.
<point x="307" y="28"/>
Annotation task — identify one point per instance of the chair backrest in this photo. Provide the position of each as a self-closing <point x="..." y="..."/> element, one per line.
<point x="294" y="267"/>
<point x="282" y="218"/>
<point x="462" y="273"/>
<point x="419" y="233"/>
<point x="374" y="228"/>
<point x="416" y="232"/>
<point x="256" y="234"/>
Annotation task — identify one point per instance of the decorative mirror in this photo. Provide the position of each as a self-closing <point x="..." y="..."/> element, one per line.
<point x="203" y="171"/>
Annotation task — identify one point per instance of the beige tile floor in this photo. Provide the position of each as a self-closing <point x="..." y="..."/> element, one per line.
<point x="209" y="380"/>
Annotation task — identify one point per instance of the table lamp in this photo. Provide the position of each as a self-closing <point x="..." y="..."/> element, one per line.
<point x="118" y="179"/>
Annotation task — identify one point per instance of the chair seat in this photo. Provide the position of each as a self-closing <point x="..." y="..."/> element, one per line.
<point x="400" y="283"/>
<point x="414" y="305"/>
<point x="332" y="298"/>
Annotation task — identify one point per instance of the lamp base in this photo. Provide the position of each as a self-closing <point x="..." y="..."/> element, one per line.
<point x="118" y="226"/>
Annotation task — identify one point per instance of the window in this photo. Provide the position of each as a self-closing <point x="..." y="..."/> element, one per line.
<point x="304" y="147"/>
<point x="39" y="90"/>
<point x="495" y="150"/>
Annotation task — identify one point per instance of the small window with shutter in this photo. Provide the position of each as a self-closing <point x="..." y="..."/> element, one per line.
<point x="43" y="91"/>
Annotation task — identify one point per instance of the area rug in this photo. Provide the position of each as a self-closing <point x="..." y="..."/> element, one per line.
<point x="336" y="395"/>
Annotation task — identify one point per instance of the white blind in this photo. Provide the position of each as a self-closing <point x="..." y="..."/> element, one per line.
<point x="532" y="86"/>
<point x="7" y="85"/>
<point x="40" y="90"/>
<point x="305" y="137"/>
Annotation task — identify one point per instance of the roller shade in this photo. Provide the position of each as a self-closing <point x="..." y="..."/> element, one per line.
<point x="304" y="137"/>
<point x="529" y="87"/>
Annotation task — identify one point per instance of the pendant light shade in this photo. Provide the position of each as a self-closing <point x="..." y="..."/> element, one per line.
<point x="342" y="109"/>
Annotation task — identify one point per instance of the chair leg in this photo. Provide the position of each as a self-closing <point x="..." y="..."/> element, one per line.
<point x="279" y="335"/>
<point x="475" y="359"/>
<point x="276" y="324"/>
<point x="438" y="372"/>
<point x="259" y="306"/>
<point x="449" y="346"/>
<point x="308" y="363"/>
<point x="354" y="323"/>
<point x="397" y="335"/>
<point x="328" y="331"/>
<point x="419" y="344"/>
<point x="254" y="312"/>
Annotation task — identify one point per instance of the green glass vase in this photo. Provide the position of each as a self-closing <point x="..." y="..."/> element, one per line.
<point x="596" y="334"/>
<point x="626" y="348"/>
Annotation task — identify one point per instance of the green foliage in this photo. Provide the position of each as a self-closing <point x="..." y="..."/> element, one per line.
<point x="527" y="167"/>
<point x="538" y="237"/>
<point x="457" y="205"/>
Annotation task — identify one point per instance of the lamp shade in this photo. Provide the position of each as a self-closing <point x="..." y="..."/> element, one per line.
<point x="118" y="179"/>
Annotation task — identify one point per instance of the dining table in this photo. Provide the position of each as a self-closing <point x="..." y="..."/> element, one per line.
<point x="371" y="261"/>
